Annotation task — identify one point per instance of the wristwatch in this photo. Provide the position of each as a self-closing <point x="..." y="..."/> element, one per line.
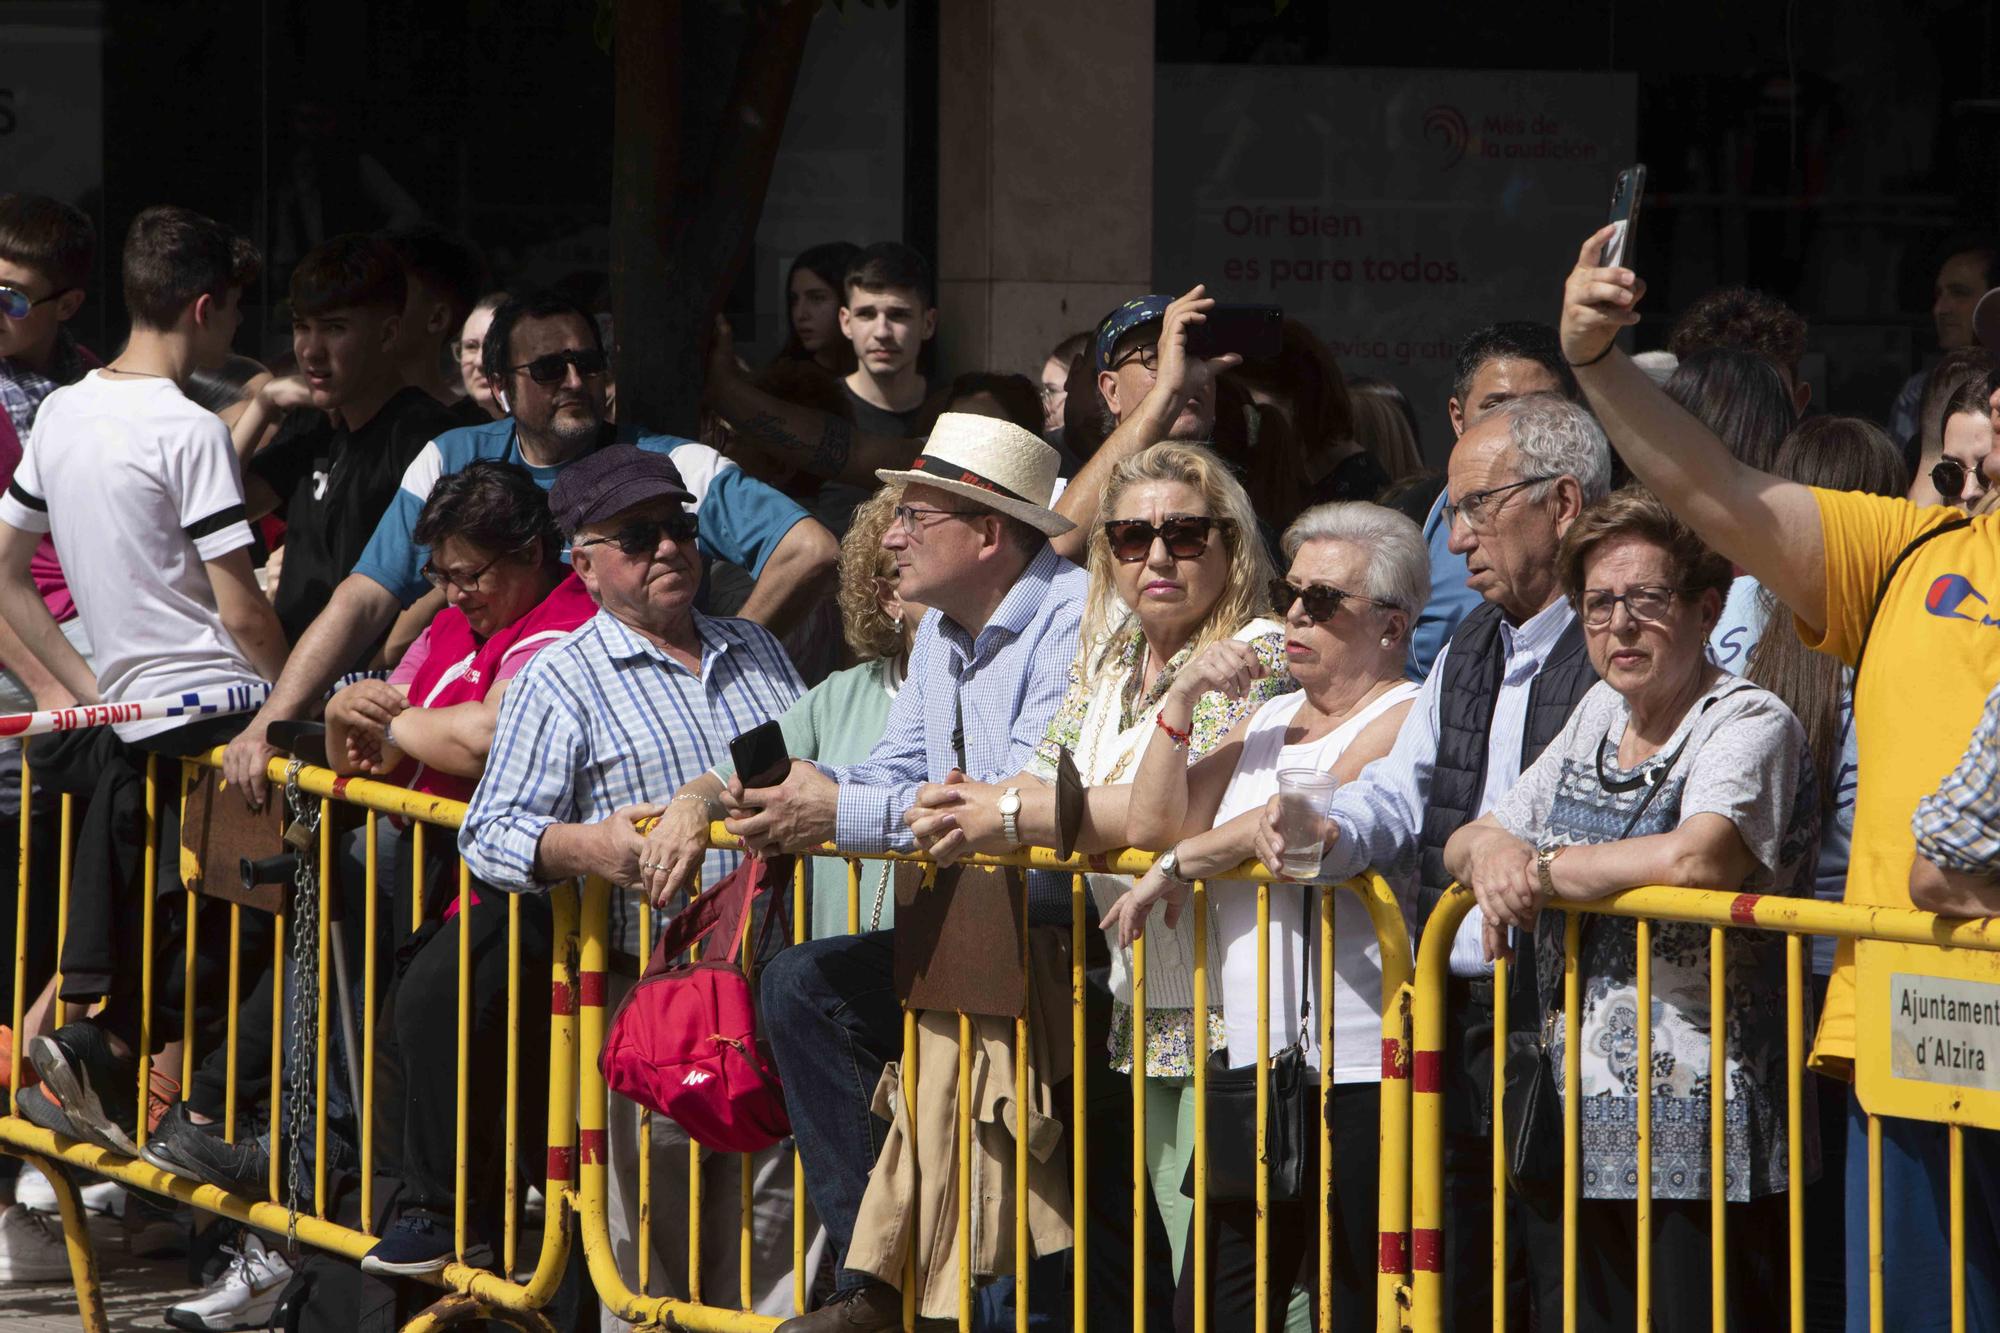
<point x="1010" y="816"/>
<point x="1544" y="859"/>
<point x="1169" y="864"/>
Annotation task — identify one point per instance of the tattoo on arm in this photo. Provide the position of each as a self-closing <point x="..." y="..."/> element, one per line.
<point x="827" y="457"/>
<point x="836" y="443"/>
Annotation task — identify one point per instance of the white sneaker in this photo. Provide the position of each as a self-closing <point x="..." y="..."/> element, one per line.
<point x="31" y="1247"/>
<point x="98" y="1194"/>
<point x="244" y="1297"/>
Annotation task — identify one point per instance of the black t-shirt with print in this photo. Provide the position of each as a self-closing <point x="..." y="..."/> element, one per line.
<point x="332" y="486"/>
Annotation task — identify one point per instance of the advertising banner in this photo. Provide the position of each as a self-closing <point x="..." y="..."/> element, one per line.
<point x="1393" y="211"/>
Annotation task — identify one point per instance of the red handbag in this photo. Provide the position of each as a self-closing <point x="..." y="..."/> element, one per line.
<point x="684" y="1040"/>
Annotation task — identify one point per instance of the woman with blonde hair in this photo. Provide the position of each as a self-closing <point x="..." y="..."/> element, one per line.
<point x="1177" y="563"/>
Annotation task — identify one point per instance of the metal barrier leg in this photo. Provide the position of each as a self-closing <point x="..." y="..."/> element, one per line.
<point x="151" y="864"/>
<point x="1139" y="1185"/>
<point x="1642" y="1282"/>
<point x="1502" y="987"/>
<point x="1080" y="1116"/>
<point x="1427" y="1112"/>
<point x="20" y="938"/>
<point x="76" y="1239"/>
<point x="1718" y="1149"/>
<point x="63" y="859"/>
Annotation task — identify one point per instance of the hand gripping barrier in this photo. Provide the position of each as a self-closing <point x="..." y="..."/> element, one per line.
<point x="473" y="1291"/>
<point x="630" y="1296"/>
<point x="1935" y="939"/>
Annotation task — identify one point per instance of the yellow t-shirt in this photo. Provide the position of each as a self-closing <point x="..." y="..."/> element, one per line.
<point x="1933" y="656"/>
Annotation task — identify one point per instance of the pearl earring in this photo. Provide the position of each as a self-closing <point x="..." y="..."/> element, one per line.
<point x="1387" y="641"/>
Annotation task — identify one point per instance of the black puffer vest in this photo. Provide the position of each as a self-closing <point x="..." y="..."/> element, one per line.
<point x="1466" y="695"/>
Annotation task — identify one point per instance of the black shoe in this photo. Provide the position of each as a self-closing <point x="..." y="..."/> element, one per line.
<point x="38" y="1108"/>
<point x="419" y="1244"/>
<point x="97" y="1088"/>
<point x="181" y="1146"/>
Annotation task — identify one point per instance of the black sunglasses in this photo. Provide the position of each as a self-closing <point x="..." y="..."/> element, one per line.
<point x="554" y="368"/>
<point x="1322" y="600"/>
<point x="643" y="537"/>
<point x="1132" y="539"/>
<point x="1949" y="477"/>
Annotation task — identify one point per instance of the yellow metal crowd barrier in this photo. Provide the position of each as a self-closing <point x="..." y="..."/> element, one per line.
<point x="1797" y="919"/>
<point x="474" y="1290"/>
<point x="573" y="1112"/>
<point x="626" y="1295"/>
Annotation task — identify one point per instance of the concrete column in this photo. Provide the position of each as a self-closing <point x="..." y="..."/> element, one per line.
<point x="1045" y="173"/>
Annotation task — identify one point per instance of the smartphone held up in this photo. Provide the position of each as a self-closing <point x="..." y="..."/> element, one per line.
<point x="1625" y="198"/>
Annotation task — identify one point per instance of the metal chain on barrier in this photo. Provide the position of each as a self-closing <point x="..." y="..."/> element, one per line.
<point x="302" y="833"/>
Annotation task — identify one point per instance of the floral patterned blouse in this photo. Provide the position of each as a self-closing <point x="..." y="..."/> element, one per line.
<point x="1173" y="1038"/>
<point x="1745" y="758"/>
<point x="1121" y="651"/>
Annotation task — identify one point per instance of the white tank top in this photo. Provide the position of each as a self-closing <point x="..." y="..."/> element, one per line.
<point x="1357" y="957"/>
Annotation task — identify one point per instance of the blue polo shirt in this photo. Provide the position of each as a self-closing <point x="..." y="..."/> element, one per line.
<point x="742" y="519"/>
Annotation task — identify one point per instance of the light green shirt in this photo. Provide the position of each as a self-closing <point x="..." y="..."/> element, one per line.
<point x="838" y="721"/>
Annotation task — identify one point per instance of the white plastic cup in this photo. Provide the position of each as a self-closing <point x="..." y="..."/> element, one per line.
<point x="1305" y="795"/>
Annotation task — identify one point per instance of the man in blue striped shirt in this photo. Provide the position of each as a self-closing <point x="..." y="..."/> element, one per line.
<point x="592" y="737"/>
<point x="988" y="668"/>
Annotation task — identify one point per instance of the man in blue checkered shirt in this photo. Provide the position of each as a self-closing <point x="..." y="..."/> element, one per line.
<point x="988" y="668"/>
<point x="1957" y="867"/>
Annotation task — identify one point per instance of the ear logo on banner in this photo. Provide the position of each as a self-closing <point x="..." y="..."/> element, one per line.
<point x="1445" y="126"/>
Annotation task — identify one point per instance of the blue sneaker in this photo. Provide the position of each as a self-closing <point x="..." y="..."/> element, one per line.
<point x="418" y="1245"/>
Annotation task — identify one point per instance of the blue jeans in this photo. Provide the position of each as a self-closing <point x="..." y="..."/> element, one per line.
<point x="829" y="1008"/>
<point x="1916" y="1222"/>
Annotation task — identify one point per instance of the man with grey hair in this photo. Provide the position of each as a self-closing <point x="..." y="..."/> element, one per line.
<point x="1501" y="689"/>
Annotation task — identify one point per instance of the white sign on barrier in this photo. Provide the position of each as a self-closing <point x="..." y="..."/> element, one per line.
<point x="1945" y="1031"/>
<point x="1927" y="1032"/>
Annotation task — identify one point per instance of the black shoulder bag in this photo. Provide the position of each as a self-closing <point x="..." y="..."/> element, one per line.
<point x="1232" y="1108"/>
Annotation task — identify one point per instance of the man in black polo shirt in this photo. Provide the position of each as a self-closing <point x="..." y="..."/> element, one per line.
<point x="352" y="424"/>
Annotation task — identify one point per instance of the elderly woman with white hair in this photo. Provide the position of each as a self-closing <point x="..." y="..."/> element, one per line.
<point x="1358" y="576"/>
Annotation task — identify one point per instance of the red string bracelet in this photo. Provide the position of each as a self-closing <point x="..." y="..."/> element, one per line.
<point x="1180" y="738"/>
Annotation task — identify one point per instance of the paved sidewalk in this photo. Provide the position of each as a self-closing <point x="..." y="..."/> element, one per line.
<point x="136" y="1292"/>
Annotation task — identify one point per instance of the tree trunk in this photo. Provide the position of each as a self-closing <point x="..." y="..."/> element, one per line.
<point x="684" y="214"/>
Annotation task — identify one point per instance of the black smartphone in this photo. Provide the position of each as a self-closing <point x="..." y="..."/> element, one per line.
<point x="1253" y="332"/>
<point x="1625" y="197"/>
<point x="760" y="755"/>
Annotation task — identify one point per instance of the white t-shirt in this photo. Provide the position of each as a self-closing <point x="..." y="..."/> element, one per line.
<point x="138" y="487"/>
<point x="1357" y="954"/>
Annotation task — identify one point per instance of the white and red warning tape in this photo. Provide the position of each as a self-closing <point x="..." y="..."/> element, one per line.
<point x="188" y="703"/>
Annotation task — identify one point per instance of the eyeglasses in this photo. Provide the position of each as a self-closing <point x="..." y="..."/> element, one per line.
<point x="554" y="368"/>
<point x="910" y="517"/>
<point x="643" y="537"/>
<point x="1950" y="476"/>
<point x="1648" y="603"/>
<point x="1480" y="508"/>
<point x="15" y="303"/>
<point x="1132" y="539"/>
<point x="1322" y="600"/>
<point x="1147" y="356"/>
<point x="443" y="578"/>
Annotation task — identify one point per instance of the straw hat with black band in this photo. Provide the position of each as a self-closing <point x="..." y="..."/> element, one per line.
<point x="992" y="462"/>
